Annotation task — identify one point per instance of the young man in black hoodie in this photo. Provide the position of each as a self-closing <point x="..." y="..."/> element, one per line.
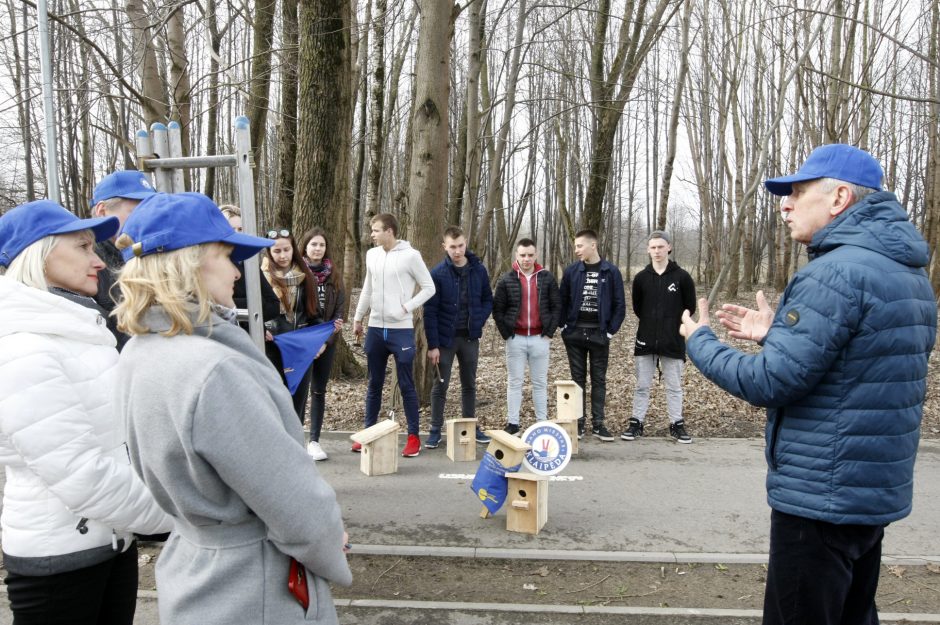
<point x="660" y="293"/>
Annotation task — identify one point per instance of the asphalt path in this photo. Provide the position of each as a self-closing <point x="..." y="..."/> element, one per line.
<point x="649" y="496"/>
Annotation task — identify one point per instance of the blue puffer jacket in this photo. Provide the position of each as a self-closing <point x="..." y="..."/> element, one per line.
<point x="843" y="370"/>
<point x="440" y="312"/>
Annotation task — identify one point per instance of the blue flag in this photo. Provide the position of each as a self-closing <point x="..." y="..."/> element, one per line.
<point x="299" y="348"/>
<point x="490" y="484"/>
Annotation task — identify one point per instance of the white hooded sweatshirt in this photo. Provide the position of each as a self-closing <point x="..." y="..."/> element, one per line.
<point x="391" y="278"/>
<point x="71" y="498"/>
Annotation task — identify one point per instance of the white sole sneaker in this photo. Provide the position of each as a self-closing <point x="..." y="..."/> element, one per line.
<point x="315" y="451"/>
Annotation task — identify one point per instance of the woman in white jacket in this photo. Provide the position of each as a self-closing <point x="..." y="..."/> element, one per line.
<point x="71" y="501"/>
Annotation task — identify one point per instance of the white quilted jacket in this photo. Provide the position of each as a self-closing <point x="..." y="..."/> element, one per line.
<point x="61" y="443"/>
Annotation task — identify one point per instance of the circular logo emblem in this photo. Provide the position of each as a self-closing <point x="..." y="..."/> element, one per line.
<point x="551" y="448"/>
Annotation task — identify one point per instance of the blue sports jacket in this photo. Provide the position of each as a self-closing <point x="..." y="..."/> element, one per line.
<point x="611" y="297"/>
<point x="440" y="312"/>
<point x="843" y="370"/>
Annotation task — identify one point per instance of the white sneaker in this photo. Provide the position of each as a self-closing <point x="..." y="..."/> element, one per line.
<point x="316" y="452"/>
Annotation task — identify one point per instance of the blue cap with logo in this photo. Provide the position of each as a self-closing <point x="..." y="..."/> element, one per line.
<point x="172" y="221"/>
<point x="30" y="222"/>
<point x="132" y="185"/>
<point x="836" y="160"/>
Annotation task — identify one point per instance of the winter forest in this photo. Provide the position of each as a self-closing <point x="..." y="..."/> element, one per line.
<point x="507" y="117"/>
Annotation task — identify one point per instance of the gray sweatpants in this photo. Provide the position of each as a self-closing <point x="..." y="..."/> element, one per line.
<point x="672" y="378"/>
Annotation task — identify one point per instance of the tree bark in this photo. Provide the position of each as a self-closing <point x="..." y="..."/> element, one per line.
<point x="259" y="85"/>
<point x="287" y="129"/>
<point x="324" y="130"/>
<point x="153" y="97"/>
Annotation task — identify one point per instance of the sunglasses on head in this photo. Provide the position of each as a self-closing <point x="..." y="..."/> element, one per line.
<point x="276" y="234"/>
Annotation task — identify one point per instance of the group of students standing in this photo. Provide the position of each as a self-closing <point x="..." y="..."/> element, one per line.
<point x="528" y="307"/>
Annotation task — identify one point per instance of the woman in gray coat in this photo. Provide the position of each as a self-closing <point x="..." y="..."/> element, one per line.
<point x="213" y="433"/>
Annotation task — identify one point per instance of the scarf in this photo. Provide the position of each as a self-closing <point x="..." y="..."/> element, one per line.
<point x="322" y="271"/>
<point x="287" y="285"/>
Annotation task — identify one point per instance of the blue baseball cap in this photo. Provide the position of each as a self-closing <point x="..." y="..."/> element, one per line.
<point x="30" y="222"/>
<point x="132" y="185"/>
<point x="172" y="221"/>
<point x="836" y="160"/>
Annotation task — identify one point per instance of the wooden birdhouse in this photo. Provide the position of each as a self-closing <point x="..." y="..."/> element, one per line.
<point x="379" y="448"/>
<point x="461" y="439"/>
<point x="508" y="451"/>
<point x="528" y="502"/>
<point x="569" y="401"/>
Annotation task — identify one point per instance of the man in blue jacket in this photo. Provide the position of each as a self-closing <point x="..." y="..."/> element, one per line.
<point x="842" y="373"/>
<point x="453" y="324"/>
<point x="592" y="309"/>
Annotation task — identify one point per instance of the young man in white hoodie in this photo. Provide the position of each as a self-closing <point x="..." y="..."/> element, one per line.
<point x="393" y="270"/>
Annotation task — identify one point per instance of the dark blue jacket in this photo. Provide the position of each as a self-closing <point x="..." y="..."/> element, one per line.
<point x="843" y="370"/>
<point x="612" y="304"/>
<point x="440" y="312"/>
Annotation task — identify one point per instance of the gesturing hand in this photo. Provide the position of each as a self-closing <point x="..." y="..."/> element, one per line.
<point x="745" y="323"/>
<point x="689" y="325"/>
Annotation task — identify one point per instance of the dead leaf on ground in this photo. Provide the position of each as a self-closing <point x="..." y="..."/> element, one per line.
<point x="897" y="571"/>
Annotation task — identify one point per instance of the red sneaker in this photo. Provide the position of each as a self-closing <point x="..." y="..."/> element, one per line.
<point x="412" y="447"/>
<point x="356" y="448"/>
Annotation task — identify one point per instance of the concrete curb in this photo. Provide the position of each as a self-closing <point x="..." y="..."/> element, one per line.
<point x="885" y="617"/>
<point x="665" y="557"/>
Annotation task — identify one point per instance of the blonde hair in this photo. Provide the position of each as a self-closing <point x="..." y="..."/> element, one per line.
<point x="171" y="280"/>
<point x="230" y="210"/>
<point x="29" y="266"/>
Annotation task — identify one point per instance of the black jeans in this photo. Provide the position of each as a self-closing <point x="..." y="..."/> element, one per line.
<point x="103" y="594"/>
<point x="467" y="352"/>
<point x="321" y="375"/>
<point x="589" y="346"/>
<point x="821" y="573"/>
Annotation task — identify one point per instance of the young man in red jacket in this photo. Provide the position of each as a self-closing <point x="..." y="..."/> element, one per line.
<point x="527" y="309"/>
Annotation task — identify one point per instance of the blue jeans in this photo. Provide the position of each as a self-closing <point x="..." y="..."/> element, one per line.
<point x="467" y="352"/>
<point x="400" y="344"/>
<point x="531" y="350"/>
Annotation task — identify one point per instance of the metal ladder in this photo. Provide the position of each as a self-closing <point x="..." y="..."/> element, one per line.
<point x="160" y="152"/>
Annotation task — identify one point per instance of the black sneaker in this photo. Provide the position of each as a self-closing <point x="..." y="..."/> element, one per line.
<point x="481" y="437"/>
<point x="677" y="430"/>
<point x="600" y="431"/>
<point x="634" y="430"/>
<point x="511" y="428"/>
<point x="580" y="428"/>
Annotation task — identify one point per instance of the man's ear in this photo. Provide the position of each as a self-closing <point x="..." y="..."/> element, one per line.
<point x="99" y="210"/>
<point x="842" y="199"/>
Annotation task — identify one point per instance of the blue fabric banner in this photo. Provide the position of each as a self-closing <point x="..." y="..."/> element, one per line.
<point x="490" y="484"/>
<point x="299" y="348"/>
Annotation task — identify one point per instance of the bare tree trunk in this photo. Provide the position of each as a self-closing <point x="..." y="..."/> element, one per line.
<point x="638" y="33"/>
<point x="259" y="85"/>
<point x="21" y="74"/>
<point x="180" y="84"/>
<point x="212" y="124"/>
<point x="428" y="174"/>
<point x="287" y="129"/>
<point x="324" y="130"/>
<point x="153" y="98"/>
<point x="494" y="187"/>
<point x="932" y="230"/>
<point x="377" y="110"/>
<point x="674" y="115"/>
